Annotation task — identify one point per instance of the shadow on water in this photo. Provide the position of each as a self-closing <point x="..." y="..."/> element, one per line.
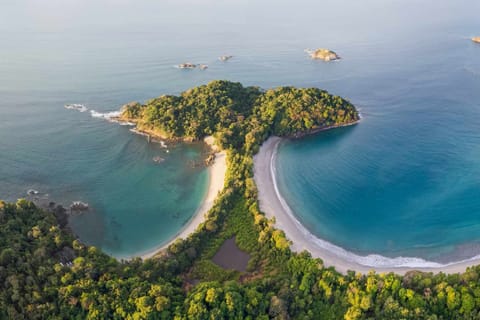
<point x="328" y="138"/>
<point x="90" y="226"/>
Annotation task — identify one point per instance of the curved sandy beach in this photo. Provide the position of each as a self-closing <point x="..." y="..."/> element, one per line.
<point x="273" y="205"/>
<point x="216" y="174"/>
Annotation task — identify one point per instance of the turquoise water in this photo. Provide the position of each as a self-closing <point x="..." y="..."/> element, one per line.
<point x="404" y="181"/>
<point x="67" y="156"/>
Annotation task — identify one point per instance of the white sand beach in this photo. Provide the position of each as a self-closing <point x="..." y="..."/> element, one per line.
<point x="273" y="205"/>
<point x="216" y="174"/>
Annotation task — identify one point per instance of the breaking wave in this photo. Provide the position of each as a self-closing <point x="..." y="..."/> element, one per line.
<point x="76" y="106"/>
<point x="105" y="115"/>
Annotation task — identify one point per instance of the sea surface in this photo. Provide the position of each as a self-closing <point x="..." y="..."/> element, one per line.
<point x="403" y="182"/>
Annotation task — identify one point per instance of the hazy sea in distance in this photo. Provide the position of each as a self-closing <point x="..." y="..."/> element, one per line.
<point x="405" y="181"/>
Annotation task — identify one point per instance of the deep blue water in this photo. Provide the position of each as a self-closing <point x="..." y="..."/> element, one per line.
<point x="405" y="180"/>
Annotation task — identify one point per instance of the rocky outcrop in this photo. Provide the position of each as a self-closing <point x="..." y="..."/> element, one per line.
<point x="187" y="65"/>
<point x="323" y="54"/>
<point x="225" y="58"/>
<point x="133" y="104"/>
<point x="78" y="206"/>
<point x="210" y="159"/>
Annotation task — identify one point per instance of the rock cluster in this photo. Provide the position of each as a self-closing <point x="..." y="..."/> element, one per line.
<point x="323" y="54"/>
<point x="79" y="206"/>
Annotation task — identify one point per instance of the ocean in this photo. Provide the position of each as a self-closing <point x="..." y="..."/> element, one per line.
<point x="405" y="181"/>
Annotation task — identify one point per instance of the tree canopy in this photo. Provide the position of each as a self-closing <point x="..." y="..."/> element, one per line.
<point x="46" y="273"/>
<point x="239" y="115"/>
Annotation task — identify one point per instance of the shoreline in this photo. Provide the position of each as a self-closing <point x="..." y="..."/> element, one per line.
<point x="274" y="206"/>
<point x="317" y="130"/>
<point x="216" y="181"/>
<point x="152" y="134"/>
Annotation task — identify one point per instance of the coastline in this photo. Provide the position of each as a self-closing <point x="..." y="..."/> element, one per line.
<point x="274" y="206"/>
<point x="152" y="134"/>
<point x="216" y="181"/>
<point x="216" y="178"/>
<point x="317" y="130"/>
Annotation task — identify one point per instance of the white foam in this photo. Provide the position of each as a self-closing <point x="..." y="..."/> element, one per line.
<point x="126" y="123"/>
<point x="32" y="192"/>
<point x="105" y="115"/>
<point x="76" y="106"/>
<point x="134" y="130"/>
<point x="360" y="114"/>
<point x="371" y="260"/>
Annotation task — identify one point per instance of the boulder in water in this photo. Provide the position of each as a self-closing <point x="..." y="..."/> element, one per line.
<point x="32" y="192"/>
<point x="225" y="58"/>
<point x="187" y="65"/>
<point x="476" y="39"/>
<point x="79" y="206"/>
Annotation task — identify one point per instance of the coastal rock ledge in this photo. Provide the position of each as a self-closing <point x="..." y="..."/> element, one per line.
<point x="323" y="54"/>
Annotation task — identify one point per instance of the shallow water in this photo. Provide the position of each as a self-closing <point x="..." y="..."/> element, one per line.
<point x="412" y="162"/>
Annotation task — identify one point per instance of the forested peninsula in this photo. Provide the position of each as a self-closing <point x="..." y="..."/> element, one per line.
<point x="46" y="273"/>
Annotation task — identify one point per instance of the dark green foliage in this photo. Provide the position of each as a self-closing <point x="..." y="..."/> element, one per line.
<point x="290" y="111"/>
<point x="197" y="112"/>
<point x="240" y="115"/>
<point x="45" y="273"/>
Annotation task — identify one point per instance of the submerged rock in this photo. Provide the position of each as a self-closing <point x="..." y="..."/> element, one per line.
<point x="225" y="58"/>
<point x="323" y="54"/>
<point x="158" y="159"/>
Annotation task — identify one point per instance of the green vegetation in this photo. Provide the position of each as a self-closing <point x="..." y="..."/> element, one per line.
<point x="241" y="118"/>
<point x="46" y="273"/>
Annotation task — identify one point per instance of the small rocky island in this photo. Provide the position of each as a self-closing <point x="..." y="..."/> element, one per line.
<point x="189" y="65"/>
<point x="225" y="58"/>
<point x="323" y="54"/>
<point x="476" y="39"/>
